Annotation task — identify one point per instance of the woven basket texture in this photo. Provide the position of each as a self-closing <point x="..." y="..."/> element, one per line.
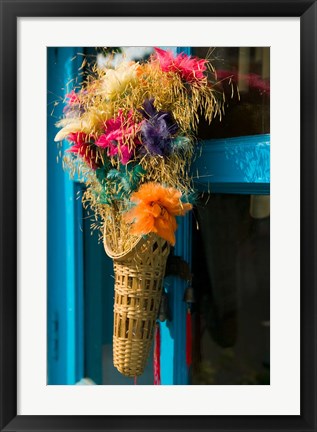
<point x="138" y="289"/>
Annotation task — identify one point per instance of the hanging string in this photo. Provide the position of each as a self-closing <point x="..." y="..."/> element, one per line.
<point x="188" y="338"/>
<point x="157" y="355"/>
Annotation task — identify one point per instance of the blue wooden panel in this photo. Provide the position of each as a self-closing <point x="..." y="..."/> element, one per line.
<point x="173" y="332"/>
<point x="183" y="249"/>
<point x="79" y="283"/>
<point x="234" y="165"/>
<point x="167" y="344"/>
<point x="99" y="294"/>
<point x="64" y="236"/>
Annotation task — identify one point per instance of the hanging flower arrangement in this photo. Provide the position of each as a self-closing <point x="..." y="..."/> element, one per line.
<point x="132" y="131"/>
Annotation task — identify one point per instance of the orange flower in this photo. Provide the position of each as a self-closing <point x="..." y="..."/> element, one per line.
<point x="155" y="211"/>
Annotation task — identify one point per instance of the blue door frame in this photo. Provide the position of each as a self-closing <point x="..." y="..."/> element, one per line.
<point x="64" y="235"/>
<point x="237" y="165"/>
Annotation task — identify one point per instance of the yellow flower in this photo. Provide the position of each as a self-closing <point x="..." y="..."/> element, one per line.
<point x="90" y="123"/>
<point x="69" y="126"/>
<point x="117" y="80"/>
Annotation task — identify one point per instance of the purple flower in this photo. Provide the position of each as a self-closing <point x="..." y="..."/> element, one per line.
<point x="157" y="130"/>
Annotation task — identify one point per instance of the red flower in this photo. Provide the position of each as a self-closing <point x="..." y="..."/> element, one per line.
<point x="190" y="69"/>
<point x="84" y="148"/>
<point x="72" y="98"/>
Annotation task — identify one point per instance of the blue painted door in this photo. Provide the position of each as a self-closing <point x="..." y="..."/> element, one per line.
<point x="64" y="235"/>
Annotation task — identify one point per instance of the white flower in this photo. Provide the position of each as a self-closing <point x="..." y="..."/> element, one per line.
<point x="116" y="81"/>
<point x="70" y="125"/>
<point x="90" y="122"/>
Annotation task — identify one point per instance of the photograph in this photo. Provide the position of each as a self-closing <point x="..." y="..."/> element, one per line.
<point x="158" y="215"/>
<point x="158" y="225"/>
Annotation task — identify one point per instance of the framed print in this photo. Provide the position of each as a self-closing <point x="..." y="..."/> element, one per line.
<point x="121" y="95"/>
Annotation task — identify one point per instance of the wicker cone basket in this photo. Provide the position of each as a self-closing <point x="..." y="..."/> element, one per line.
<point x="139" y="277"/>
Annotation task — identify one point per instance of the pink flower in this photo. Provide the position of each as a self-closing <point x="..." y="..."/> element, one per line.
<point x="190" y="69"/>
<point x="120" y="137"/>
<point x="72" y="98"/>
<point x="72" y="107"/>
<point x="84" y="148"/>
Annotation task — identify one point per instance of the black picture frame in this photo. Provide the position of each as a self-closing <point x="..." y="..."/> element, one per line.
<point x="10" y="11"/>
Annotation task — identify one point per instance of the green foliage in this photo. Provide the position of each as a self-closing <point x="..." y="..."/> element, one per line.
<point x="118" y="184"/>
<point x="190" y="198"/>
<point x="181" y="144"/>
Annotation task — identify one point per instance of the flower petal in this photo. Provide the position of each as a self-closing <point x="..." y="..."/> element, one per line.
<point x="155" y="209"/>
